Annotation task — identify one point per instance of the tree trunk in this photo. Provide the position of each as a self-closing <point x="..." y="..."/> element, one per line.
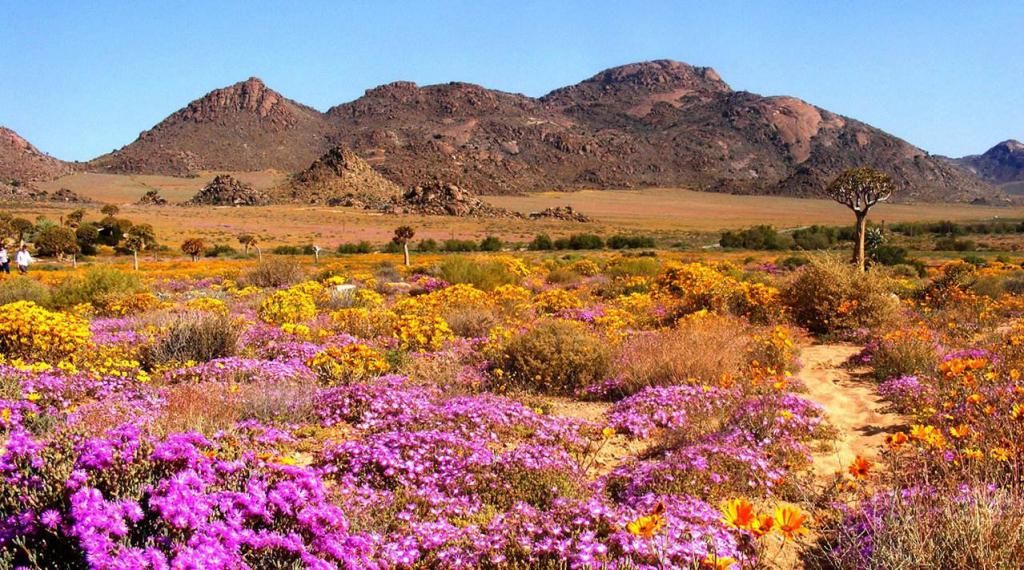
<point x="405" y="250"/>
<point x="74" y="260"/>
<point x="862" y="229"/>
<point x="135" y="260"/>
<point x="259" y="253"/>
<point x="316" y="257"/>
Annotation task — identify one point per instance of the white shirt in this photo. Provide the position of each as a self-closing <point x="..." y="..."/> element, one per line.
<point x="23" y="258"/>
<point x="3" y="255"/>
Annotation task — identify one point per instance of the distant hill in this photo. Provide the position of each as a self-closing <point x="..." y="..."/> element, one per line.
<point x="244" y="127"/>
<point x="1001" y="164"/>
<point x="658" y="123"/>
<point x="22" y="163"/>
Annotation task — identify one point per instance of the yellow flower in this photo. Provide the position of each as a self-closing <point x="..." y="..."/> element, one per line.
<point x="648" y="525"/>
<point x="738" y="513"/>
<point x="790" y="519"/>
<point x="608" y="432"/>
<point x="716" y="562"/>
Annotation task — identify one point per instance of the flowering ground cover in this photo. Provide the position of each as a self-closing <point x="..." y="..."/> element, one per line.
<point x="268" y="417"/>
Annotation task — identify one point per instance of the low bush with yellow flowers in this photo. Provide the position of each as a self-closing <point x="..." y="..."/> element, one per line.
<point x="32" y="333"/>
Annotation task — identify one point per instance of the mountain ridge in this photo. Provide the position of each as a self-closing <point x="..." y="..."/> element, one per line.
<point x="657" y="123"/>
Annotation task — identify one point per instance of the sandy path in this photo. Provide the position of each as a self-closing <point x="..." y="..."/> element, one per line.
<point x="852" y="405"/>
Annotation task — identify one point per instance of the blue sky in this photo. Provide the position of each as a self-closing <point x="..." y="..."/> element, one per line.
<point x="79" y="79"/>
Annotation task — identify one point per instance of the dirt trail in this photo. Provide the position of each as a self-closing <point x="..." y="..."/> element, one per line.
<point x="851" y="403"/>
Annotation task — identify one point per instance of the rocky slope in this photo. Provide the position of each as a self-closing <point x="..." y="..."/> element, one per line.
<point x="23" y="164"/>
<point x="339" y="177"/>
<point x="658" y="123"/>
<point x="246" y="126"/>
<point x="1001" y="164"/>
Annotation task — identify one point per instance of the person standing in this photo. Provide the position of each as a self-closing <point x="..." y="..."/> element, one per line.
<point x="23" y="259"/>
<point x="5" y="260"/>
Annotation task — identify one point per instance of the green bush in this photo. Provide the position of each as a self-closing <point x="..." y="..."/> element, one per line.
<point x="220" y="250"/>
<point x="815" y="237"/>
<point x="633" y="267"/>
<point x="541" y="242"/>
<point x="96" y="282"/>
<point x="758" y="237"/>
<point x="457" y="245"/>
<point x="830" y="296"/>
<point x="554" y="357"/>
<point x="482" y="273"/>
<point x="293" y="250"/>
<point x="953" y="244"/>
<point x="491" y="243"/>
<point x="579" y="241"/>
<point x="630" y="242"/>
<point x="428" y="244"/>
<point x="889" y="255"/>
<point x="361" y="247"/>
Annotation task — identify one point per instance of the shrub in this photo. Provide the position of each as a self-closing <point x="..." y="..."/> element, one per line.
<point x="220" y="250"/>
<point x="815" y="237"/>
<point x="428" y="245"/>
<point x="757" y="237"/>
<point x="456" y="245"/>
<point x="830" y="296"/>
<point x="193" y="337"/>
<point x="419" y="333"/>
<point x="361" y="247"/>
<point x="889" y="255"/>
<point x="630" y="242"/>
<point x="344" y="364"/>
<point x="579" y="241"/>
<point x="469" y="321"/>
<point x="274" y="272"/>
<point x="633" y="267"/>
<point x="541" y="242"/>
<point x="491" y="243"/>
<point x="554" y="357"/>
<point x="904" y="353"/>
<point x="698" y="351"/>
<point x="953" y="244"/>
<point x="95" y="283"/>
<point x="482" y="273"/>
<point x="23" y="289"/>
<point x="57" y="241"/>
<point x="969" y="528"/>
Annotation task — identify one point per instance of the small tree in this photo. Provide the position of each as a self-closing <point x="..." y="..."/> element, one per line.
<point x="21" y="228"/>
<point x="57" y="241"/>
<point x="74" y="219"/>
<point x="403" y="235"/>
<point x="859" y="189"/>
<point x="247" y="241"/>
<point x="110" y="210"/>
<point x="193" y="247"/>
<point x="134" y="243"/>
<point x="316" y="254"/>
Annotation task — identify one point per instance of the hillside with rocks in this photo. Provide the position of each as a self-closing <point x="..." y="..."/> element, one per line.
<point x="1001" y="164"/>
<point x="24" y="164"/>
<point x="339" y="177"/>
<point x="651" y="124"/>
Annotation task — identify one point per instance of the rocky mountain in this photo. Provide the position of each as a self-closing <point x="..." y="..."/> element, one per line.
<point x="1001" y="164"/>
<point x="244" y="127"/>
<point x="339" y="177"/>
<point x="659" y="123"/>
<point x="22" y="163"/>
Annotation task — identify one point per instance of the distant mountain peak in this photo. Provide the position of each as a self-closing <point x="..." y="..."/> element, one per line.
<point x="1011" y="145"/>
<point x="661" y="74"/>
<point x="251" y="96"/>
<point x="1000" y="164"/>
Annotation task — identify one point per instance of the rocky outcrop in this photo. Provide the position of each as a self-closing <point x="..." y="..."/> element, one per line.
<point x="28" y="193"/>
<point x="339" y="177"/>
<point x="225" y="190"/>
<point x="152" y="198"/>
<point x="445" y="199"/>
<point x="564" y="213"/>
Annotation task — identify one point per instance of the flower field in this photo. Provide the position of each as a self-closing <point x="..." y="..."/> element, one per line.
<point x="608" y="411"/>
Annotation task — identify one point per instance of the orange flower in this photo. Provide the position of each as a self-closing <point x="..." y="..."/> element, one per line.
<point x="790" y="520"/>
<point x="959" y="431"/>
<point x="648" y="525"/>
<point x="894" y="441"/>
<point x="1017" y="411"/>
<point x="738" y="513"/>
<point x="762" y="525"/>
<point x="717" y="562"/>
<point x="860" y="468"/>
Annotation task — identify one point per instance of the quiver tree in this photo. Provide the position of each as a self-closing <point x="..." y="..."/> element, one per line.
<point x="193" y="247"/>
<point x="247" y="241"/>
<point x="139" y="238"/>
<point x="403" y="235"/>
<point x="859" y="189"/>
